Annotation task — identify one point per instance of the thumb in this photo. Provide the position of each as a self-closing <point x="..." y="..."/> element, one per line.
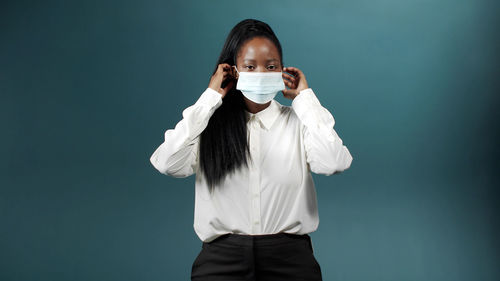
<point x="228" y="87"/>
<point x="288" y="92"/>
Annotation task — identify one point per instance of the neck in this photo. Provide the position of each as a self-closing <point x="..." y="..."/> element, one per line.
<point x="253" y="107"/>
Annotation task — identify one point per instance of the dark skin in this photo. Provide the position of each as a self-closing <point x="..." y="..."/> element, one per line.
<point x="261" y="55"/>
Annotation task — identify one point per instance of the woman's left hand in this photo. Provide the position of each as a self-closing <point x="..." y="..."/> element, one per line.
<point x="296" y="82"/>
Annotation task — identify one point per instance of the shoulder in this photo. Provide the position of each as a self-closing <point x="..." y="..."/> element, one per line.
<point x="286" y="112"/>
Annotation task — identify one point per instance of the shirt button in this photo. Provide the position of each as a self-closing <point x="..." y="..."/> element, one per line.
<point x="256" y="195"/>
<point x="255" y="222"/>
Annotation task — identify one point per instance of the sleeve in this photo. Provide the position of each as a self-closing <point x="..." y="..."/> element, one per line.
<point x="325" y="152"/>
<point x="177" y="156"/>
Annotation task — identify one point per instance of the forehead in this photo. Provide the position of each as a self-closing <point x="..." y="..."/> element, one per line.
<point x="258" y="48"/>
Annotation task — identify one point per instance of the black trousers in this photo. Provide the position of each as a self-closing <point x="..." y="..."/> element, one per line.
<point x="270" y="257"/>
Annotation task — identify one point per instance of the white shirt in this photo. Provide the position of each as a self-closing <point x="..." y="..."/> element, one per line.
<point x="276" y="192"/>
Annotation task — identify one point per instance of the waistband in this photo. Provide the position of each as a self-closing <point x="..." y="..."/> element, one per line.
<point x="245" y="240"/>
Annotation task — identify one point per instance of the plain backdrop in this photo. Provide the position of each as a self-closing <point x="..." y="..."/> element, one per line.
<point x="88" y="89"/>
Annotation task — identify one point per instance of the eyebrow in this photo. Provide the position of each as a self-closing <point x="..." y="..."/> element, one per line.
<point x="254" y="60"/>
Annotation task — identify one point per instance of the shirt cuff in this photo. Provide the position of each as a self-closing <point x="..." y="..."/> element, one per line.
<point x="304" y="102"/>
<point x="312" y="114"/>
<point x="210" y="98"/>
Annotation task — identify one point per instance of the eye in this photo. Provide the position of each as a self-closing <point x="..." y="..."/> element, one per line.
<point x="249" y="66"/>
<point x="272" y="66"/>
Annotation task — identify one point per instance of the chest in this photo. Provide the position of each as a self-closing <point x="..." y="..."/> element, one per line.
<point x="278" y="151"/>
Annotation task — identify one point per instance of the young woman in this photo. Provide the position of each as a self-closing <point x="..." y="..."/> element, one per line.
<point x="255" y="199"/>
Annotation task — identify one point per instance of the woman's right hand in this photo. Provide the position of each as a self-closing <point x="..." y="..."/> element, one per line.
<point x="224" y="71"/>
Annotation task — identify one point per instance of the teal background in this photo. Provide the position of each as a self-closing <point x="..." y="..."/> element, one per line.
<point x="88" y="89"/>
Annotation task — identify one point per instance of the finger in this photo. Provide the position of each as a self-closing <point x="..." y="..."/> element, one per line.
<point x="290" y="79"/>
<point x="229" y="75"/>
<point x="222" y="67"/>
<point x="299" y="72"/>
<point x="232" y="72"/>
<point x="288" y="76"/>
<point x="289" y="69"/>
<point x="287" y="83"/>
<point x="229" y="71"/>
<point x="290" y="84"/>
<point x="295" y="71"/>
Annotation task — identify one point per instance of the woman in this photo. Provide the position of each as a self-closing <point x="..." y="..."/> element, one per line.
<point x="255" y="199"/>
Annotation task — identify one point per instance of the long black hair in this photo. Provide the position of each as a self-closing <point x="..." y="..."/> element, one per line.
<point x="223" y="143"/>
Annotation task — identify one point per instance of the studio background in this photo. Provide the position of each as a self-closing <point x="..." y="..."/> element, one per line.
<point x="88" y="89"/>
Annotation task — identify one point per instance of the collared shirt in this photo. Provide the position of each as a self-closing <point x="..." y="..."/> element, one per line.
<point x="275" y="193"/>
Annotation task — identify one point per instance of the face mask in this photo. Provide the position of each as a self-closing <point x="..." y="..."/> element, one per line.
<point x="260" y="87"/>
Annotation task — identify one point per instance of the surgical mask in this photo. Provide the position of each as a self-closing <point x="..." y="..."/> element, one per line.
<point x="260" y="87"/>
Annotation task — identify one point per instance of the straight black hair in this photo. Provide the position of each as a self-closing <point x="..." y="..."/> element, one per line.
<point x="223" y="143"/>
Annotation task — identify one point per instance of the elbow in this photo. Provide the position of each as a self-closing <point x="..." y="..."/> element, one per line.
<point x="335" y="166"/>
<point x="325" y="169"/>
<point x="328" y="170"/>
<point x="343" y="165"/>
<point x="169" y="169"/>
<point x="161" y="167"/>
<point x="346" y="161"/>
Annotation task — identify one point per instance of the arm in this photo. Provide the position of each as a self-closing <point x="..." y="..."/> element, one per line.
<point x="325" y="151"/>
<point x="177" y="155"/>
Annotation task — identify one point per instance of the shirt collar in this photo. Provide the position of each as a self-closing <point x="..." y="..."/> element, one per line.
<point x="266" y="116"/>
